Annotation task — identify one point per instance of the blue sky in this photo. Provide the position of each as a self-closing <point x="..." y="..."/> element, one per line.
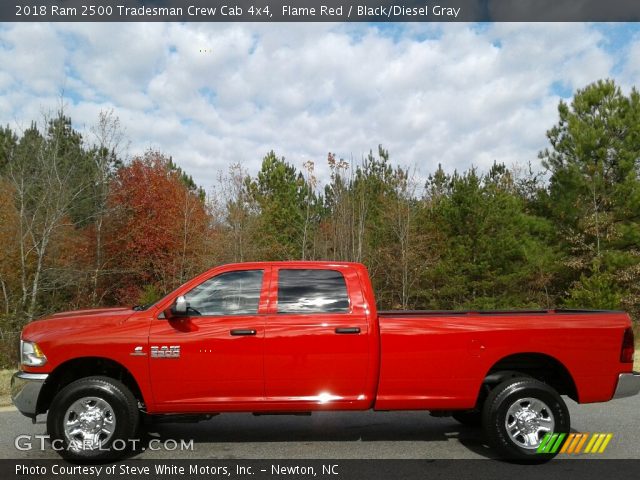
<point x="212" y="94"/>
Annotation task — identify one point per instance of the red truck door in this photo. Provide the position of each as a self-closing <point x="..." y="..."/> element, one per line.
<point x="316" y="340"/>
<point x="215" y="355"/>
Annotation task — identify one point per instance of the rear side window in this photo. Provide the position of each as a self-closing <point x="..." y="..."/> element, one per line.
<point x="312" y="291"/>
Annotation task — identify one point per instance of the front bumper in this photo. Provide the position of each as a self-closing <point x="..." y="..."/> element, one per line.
<point x="25" y="389"/>
<point x="628" y="385"/>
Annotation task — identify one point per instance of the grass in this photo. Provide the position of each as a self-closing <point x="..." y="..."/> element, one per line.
<point x="636" y="336"/>
<point x="5" y="387"/>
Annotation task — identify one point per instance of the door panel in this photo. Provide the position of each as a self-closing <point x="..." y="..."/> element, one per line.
<point x="306" y="360"/>
<point x="316" y="342"/>
<point x="216" y="354"/>
<point x="214" y="365"/>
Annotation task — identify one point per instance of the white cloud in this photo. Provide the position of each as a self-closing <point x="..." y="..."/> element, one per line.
<point x="211" y="94"/>
<point x="630" y="75"/>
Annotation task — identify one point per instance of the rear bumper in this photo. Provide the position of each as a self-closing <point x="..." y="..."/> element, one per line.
<point x="628" y="385"/>
<point x="25" y="389"/>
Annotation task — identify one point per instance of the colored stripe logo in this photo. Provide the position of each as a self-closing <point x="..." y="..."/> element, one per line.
<point x="574" y="443"/>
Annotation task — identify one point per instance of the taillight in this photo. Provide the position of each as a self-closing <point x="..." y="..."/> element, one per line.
<point x="626" y="354"/>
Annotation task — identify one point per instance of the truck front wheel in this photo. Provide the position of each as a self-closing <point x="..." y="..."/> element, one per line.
<point x="87" y="416"/>
<point x="519" y="413"/>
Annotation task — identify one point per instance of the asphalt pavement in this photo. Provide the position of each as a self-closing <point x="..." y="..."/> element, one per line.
<point x="326" y="435"/>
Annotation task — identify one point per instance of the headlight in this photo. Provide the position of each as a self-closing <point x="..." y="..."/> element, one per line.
<point x="31" y="355"/>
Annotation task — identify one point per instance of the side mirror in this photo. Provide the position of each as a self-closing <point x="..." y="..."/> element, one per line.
<point x="178" y="308"/>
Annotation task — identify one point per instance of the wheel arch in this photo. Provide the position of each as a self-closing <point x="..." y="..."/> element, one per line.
<point x="540" y="366"/>
<point x="83" y="367"/>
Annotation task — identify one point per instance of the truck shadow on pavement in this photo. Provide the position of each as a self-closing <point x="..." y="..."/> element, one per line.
<point x="325" y="427"/>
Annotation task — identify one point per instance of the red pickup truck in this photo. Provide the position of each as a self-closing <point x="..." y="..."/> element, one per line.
<point x="279" y="337"/>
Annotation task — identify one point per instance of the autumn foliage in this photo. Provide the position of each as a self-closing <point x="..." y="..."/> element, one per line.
<point x="156" y="226"/>
<point x="82" y="227"/>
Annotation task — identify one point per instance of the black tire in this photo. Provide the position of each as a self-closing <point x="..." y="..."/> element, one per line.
<point x="470" y="418"/>
<point x="123" y="412"/>
<point x="507" y="394"/>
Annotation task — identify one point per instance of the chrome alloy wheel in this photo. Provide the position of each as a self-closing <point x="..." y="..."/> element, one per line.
<point x="89" y="423"/>
<point x="527" y="422"/>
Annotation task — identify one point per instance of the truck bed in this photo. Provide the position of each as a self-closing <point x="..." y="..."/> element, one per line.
<point x="449" y="313"/>
<point x="437" y="359"/>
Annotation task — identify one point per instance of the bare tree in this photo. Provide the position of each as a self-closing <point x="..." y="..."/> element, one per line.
<point x="238" y="209"/>
<point x="340" y="219"/>
<point x="110" y="140"/>
<point x="45" y="185"/>
<point x="399" y="216"/>
<point x="311" y="183"/>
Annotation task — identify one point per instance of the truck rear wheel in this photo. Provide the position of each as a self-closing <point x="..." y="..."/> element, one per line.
<point x="87" y="416"/>
<point x="518" y="414"/>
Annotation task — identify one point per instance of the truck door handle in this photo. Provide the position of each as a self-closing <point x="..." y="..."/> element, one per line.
<point x="348" y="330"/>
<point x="242" y="331"/>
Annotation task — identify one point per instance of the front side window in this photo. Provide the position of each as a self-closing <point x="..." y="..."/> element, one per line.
<point x="231" y="293"/>
<point x="312" y="291"/>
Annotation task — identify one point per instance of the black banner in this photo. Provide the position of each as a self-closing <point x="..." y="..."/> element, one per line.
<point x="319" y="11"/>
<point x="582" y="469"/>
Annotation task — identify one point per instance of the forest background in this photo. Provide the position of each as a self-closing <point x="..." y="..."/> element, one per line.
<point x="82" y="225"/>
